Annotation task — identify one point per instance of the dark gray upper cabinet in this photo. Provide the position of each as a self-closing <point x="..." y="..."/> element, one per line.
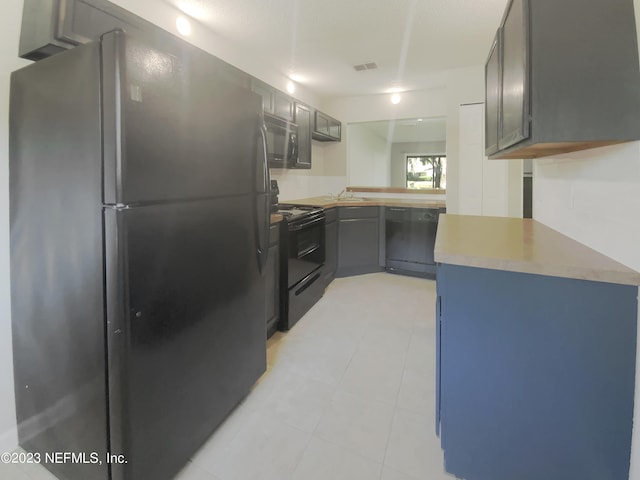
<point x="266" y="92"/>
<point x="303" y="120"/>
<point x="562" y="77"/>
<point x="52" y="26"/>
<point x="514" y="93"/>
<point x="491" y="75"/>
<point x="274" y="101"/>
<point x="326" y="128"/>
<point x="282" y="105"/>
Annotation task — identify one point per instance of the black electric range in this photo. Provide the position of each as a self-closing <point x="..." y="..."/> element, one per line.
<point x="302" y="254"/>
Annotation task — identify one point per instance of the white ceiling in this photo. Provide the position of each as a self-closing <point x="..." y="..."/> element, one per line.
<point x="409" y="130"/>
<point x="412" y="41"/>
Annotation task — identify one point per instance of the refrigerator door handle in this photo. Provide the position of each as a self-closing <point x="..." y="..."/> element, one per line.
<point x="263" y="196"/>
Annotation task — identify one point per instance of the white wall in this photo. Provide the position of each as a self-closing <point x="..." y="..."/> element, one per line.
<point x="485" y="187"/>
<point x="464" y="85"/>
<point x="399" y="152"/>
<point x="369" y="158"/>
<point x="326" y="176"/>
<point x="367" y="108"/>
<point x="593" y="197"/>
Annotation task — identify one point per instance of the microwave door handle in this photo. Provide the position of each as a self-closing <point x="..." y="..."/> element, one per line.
<point x="293" y="149"/>
<point x="264" y="205"/>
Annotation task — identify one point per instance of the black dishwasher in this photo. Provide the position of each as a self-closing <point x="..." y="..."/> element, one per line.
<point x="410" y="235"/>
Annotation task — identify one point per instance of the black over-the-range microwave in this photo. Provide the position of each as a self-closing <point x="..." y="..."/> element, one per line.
<point x="282" y="142"/>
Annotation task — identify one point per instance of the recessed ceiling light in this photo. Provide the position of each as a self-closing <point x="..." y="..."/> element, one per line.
<point x="291" y="87"/>
<point x="194" y="8"/>
<point x="420" y="120"/>
<point x="183" y="25"/>
<point x="297" y="78"/>
<point x="395" y="98"/>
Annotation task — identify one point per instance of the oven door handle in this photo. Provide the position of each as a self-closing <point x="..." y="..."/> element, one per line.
<point x="307" y="282"/>
<point x="308" y="251"/>
<point x="296" y="227"/>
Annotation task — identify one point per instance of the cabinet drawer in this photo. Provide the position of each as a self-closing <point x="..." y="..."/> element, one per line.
<point x="358" y="212"/>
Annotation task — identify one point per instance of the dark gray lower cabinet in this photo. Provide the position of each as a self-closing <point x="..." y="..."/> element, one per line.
<point x="535" y="375"/>
<point x="358" y="240"/>
<point x="331" y="245"/>
<point x="272" y="299"/>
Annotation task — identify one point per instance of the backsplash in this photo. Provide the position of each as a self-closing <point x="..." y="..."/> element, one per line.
<point x="296" y="185"/>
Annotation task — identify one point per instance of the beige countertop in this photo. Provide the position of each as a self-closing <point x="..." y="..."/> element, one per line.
<point x="275" y="218"/>
<point x="328" y="202"/>
<point x="412" y="191"/>
<point x="523" y="245"/>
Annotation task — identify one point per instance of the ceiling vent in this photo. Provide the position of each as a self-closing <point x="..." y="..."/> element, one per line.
<point x="365" y="66"/>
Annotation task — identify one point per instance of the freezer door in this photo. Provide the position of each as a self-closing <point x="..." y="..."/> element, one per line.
<point x="173" y="128"/>
<point x="186" y="327"/>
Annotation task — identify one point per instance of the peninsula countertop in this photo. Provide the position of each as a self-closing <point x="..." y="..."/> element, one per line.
<point x="328" y="202"/>
<point x="523" y="245"/>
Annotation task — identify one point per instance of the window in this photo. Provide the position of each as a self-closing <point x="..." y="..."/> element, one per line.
<point x="426" y="171"/>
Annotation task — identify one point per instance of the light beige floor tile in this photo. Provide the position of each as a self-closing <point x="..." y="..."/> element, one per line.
<point x="361" y="426"/>
<point x="294" y="399"/>
<point x="418" y="388"/>
<point x="421" y="355"/>
<point x="374" y="374"/>
<point x="15" y="472"/>
<point x="318" y="361"/>
<point x="391" y="474"/>
<point x="323" y="460"/>
<point x="192" y="471"/>
<point x="413" y="447"/>
<point x="265" y="449"/>
<point x="388" y="339"/>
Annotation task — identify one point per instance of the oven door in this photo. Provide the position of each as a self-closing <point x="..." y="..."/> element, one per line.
<point x="306" y="248"/>
<point x="282" y="142"/>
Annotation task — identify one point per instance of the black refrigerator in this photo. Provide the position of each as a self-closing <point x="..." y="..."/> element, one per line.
<point x="139" y="231"/>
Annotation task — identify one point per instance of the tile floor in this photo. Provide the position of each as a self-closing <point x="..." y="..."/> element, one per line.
<point x="348" y="395"/>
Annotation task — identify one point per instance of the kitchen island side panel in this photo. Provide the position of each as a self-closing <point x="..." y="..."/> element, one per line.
<point x="536" y="375"/>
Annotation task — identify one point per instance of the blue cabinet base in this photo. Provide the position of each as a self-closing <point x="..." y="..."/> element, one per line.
<point x="535" y="375"/>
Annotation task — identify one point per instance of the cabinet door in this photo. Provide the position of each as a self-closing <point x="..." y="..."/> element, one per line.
<point x="266" y="92"/>
<point x="272" y="300"/>
<point x="492" y="96"/>
<point x="331" y="251"/>
<point x="283" y="106"/>
<point x="515" y="75"/>
<point x="303" y="119"/>
<point x="358" y="243"/>
<point x="326" y="129"/>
